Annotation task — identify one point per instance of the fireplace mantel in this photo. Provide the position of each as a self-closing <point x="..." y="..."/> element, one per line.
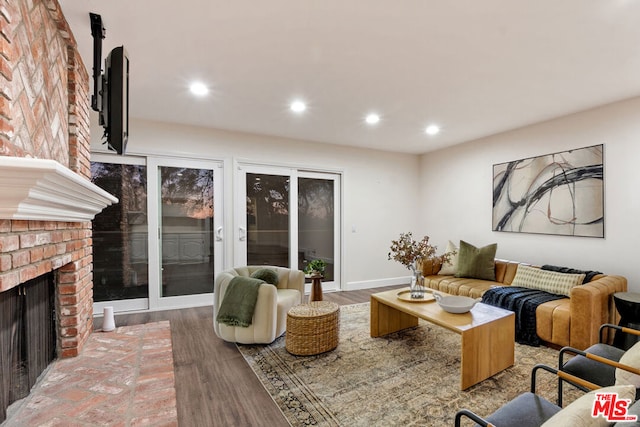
<point x="44" y="190"/>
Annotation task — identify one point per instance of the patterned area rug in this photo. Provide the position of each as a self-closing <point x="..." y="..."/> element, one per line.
<point x="410" y="377"/>
<point x="121" y="378"/>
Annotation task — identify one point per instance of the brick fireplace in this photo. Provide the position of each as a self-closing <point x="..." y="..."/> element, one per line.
<point x="44" y="115"/>
<point x="47" y="200"/>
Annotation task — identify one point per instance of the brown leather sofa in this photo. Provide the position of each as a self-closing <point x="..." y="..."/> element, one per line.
<point x="572" y="321"/>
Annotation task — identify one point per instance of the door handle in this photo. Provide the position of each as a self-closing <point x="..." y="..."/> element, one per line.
<point x="219" y="234"/>
<point x="243" y="234"/>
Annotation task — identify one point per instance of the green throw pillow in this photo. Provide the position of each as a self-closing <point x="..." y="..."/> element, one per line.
<point x="477" y="263"/>
<point x="266" y="274"/>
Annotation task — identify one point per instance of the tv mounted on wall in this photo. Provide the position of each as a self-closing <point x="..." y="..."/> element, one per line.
<point x="111" y="89"/>
<point x="114" y="116"/>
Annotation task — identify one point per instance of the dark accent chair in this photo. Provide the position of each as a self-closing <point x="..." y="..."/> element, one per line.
<point x="526" y="410"/>
<point x="596" y="364"/>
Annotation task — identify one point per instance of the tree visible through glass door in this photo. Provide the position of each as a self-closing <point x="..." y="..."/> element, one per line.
<point x="316" y="222"/>
<point x="187" y="231"/>
<point x="267" y="219"/>
<point x="120" y="255"/>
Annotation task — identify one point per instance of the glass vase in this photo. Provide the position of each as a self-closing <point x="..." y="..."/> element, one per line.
<point x="416" y="287"/>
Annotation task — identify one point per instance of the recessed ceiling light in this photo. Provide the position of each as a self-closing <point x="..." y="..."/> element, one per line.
<point x="298" y="106"/>
<point x="199" y="89"/>
<point x="372" y="118"/>
<point x="432" y="130"/>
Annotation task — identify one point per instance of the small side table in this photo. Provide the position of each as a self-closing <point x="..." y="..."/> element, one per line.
<point x="628" y="305"/>
<point x="316" y="288"/>
<point x="312" y="328"/>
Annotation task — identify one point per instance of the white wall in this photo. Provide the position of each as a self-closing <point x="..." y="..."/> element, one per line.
<point x="380" y="188"/>
<point x="456" y="191"/>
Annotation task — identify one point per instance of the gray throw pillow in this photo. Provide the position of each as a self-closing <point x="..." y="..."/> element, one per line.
<point x="266" y="274"/>
<point x="477" y="263"/>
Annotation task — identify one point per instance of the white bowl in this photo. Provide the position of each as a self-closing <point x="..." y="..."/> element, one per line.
<point x="455" y="304"/>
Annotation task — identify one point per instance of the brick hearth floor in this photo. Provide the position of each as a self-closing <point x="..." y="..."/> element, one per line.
<point x="121" y="378"/>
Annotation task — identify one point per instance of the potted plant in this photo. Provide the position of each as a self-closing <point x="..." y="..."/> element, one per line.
<point x="315" y="268"/>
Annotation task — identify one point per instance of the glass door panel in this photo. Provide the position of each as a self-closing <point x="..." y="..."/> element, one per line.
<point x="120" y="235"/>
<point x="316" y="223"/>
<point x="267" y="219"/>
<point x="187" y="231"/>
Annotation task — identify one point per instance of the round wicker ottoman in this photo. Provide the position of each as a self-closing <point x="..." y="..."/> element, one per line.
<point x="312" y="328"/>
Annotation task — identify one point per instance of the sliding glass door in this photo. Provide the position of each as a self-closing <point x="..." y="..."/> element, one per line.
<point x="288" y="217"/>
<point x="160" y="246"/>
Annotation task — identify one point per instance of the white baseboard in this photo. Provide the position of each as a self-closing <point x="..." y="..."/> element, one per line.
<point x="378" y="283"/>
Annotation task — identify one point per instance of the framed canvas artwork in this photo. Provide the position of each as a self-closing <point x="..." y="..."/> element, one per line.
<point x="560" y="193"/>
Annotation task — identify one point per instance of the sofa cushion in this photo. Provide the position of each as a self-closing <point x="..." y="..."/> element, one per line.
<point x="510" y="269"/>
<point x="631" y="358"/>
<point x="548" y="281"/>
<point x="477" y="263"/>
<point x="578" y="413"/>
<point x="429" y="267"/>
<point x="462" y="286"/>
<point x="449" y="268"/>
<point x="475" y="288"/>
<point x="553" y="321"/>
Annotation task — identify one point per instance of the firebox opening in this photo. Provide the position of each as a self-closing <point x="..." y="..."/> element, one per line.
<point x="27" y="337"/>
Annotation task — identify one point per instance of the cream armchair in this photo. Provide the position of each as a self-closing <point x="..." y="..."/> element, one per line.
<point x="270" y="315"/>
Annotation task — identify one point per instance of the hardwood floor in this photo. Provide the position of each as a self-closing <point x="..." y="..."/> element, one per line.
<point x="214" y="384"/>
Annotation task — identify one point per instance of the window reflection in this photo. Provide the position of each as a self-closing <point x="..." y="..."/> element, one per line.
<point x="267" y="220"/>
<point x="120" y="255"/>
<point x="316" y="223"/>
<point x="187" y="231"/>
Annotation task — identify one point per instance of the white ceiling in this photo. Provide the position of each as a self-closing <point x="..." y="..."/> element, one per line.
<point x="474" y="67"/>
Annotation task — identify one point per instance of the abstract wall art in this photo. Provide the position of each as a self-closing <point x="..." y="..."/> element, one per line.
<point x="560" y="193"/>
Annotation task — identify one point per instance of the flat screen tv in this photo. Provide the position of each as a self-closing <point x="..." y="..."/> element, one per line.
<point x="114" y="116"/>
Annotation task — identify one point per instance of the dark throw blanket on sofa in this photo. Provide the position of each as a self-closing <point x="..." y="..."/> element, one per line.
<point x="523" y="302"/>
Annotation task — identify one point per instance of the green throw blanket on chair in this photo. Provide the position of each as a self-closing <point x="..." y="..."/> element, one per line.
<point x="239" y="302"/>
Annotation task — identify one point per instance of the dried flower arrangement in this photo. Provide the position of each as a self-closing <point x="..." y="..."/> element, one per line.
<point x="408" y="251"/>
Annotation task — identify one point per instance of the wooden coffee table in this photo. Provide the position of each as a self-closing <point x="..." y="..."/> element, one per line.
<point x="488" y="333"/>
